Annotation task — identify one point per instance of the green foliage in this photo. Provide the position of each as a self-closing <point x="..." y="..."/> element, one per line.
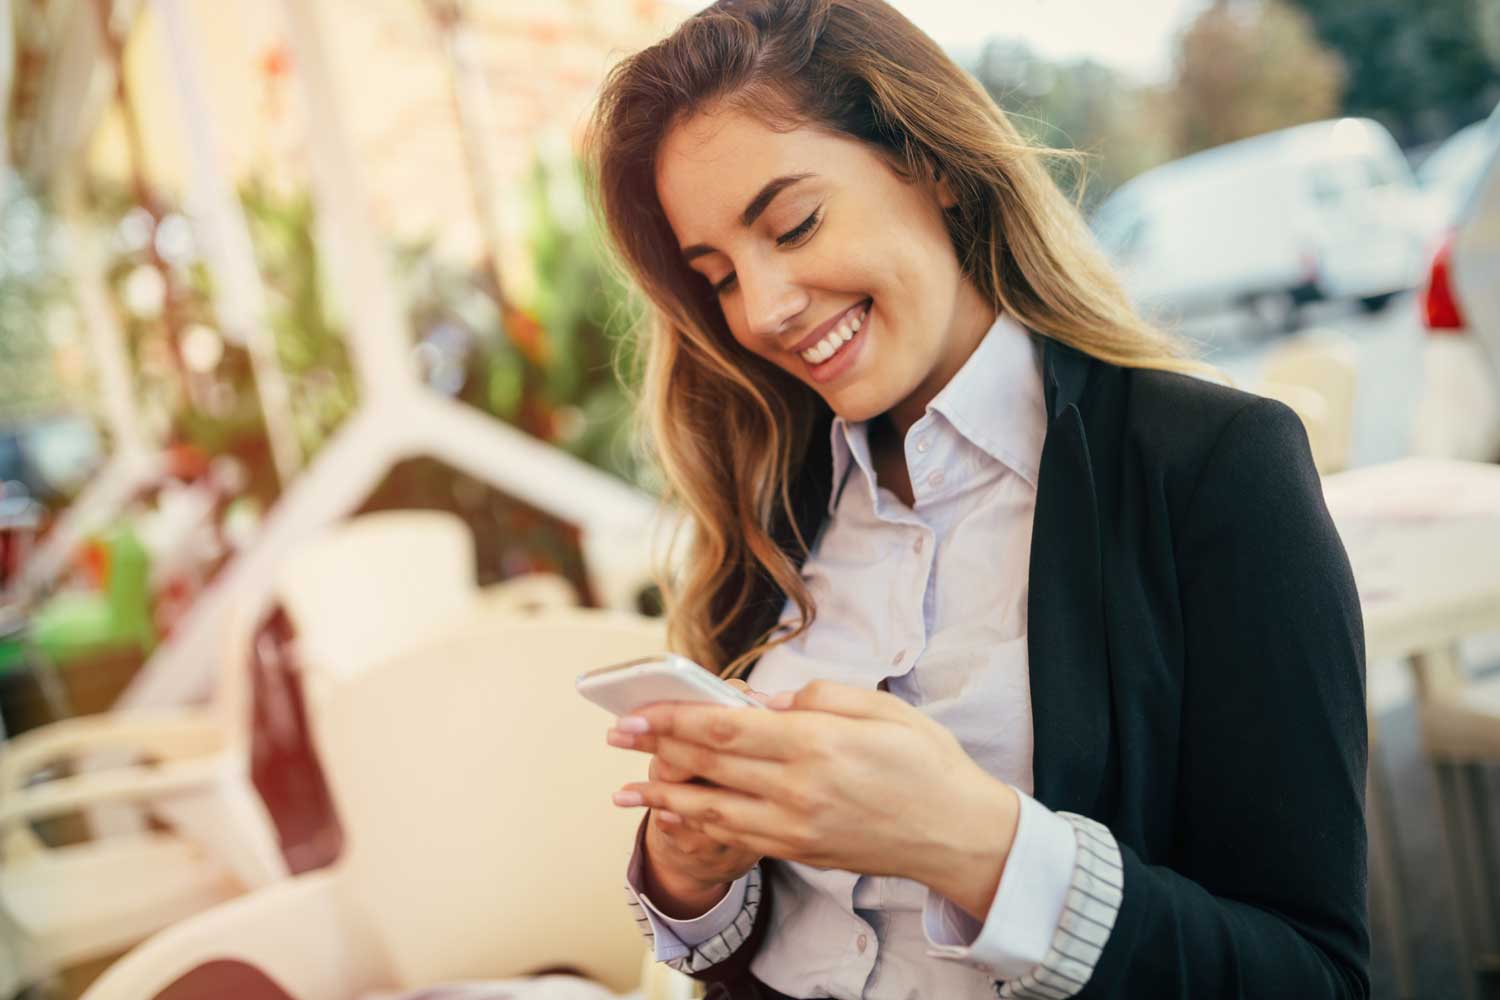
<point x="556" y="365"/>
<point x="587" y="317"/>
<point x="29" y="284"/>
<point x="309" y="345"/>
<point x="1078" y="105"/>
<point x="1423" y="68"/>
<point x="1244" y="69"/>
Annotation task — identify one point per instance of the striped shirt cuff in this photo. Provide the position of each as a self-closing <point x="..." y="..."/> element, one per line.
<point x="717" y="948"/>
<point x="1088" y="916"/>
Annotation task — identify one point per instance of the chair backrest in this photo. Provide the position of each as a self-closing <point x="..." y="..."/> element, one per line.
<point x="1327" y="363"/>
<point x="473" y="784"/>
<point x="371" y="587"/>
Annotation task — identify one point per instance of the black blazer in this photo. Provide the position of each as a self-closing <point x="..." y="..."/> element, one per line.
<point x="1197" y="683"/>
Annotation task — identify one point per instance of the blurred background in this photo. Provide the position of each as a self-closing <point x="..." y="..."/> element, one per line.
<point x="271" y="268"/>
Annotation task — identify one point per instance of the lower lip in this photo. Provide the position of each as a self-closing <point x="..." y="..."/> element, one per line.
<point x="842" y="359"/>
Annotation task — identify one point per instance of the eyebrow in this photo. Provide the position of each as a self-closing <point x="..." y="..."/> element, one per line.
<point x="758" y="205"/>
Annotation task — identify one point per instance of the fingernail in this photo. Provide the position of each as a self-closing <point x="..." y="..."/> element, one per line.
<point x="781" y="700"/>
<point x="615" y="738"/>
<point x="632" y="724"/>
<point x="667" y="816"/>
<point x="628" y="799"/>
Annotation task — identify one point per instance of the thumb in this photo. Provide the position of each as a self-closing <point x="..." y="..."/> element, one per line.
<point x="740" y="685"/>
<point x="842" y="699"/>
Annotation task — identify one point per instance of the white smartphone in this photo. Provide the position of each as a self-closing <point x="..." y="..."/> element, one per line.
<point x="622" y="688"/>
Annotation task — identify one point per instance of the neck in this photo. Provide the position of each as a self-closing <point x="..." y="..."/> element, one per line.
<point x="974" y="317"/>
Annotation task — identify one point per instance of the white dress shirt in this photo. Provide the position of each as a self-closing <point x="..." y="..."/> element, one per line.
<point x="929" y="602"/>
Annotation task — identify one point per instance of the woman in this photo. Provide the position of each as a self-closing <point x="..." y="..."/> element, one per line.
<point x="1064" y="653"/>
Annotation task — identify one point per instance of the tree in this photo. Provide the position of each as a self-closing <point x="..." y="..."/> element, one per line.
<point x="1246" y="67"/>
<point x="1079" y="105"/>
<point x="1423" y="68"/>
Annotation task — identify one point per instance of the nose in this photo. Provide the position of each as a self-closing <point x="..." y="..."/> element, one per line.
<point x="771" y="300"/>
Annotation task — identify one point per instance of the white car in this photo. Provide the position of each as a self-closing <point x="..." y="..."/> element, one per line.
<point x="1460" y="306"/>
<point x="1327" y="210"/>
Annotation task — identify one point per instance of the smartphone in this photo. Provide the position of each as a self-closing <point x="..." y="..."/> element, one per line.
<point x="622" y="688"/>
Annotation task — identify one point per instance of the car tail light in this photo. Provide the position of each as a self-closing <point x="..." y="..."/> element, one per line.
<point x="1439" y="304"/>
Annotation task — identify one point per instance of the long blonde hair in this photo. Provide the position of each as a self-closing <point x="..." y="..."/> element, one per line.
<point x="729" y="428"/>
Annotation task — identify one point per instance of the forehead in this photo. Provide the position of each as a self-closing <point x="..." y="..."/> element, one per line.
<point x="711" y="164"/>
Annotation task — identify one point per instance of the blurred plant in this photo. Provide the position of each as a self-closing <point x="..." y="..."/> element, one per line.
<point x="309" y="345"/>
<point x="194" y="384"/>
<point x="1248" y="68"/>
<point x="30" y="284"/>
<point x="556" y="365"/>
<point x="1424" y="68"/>
<point x="587" y="318"/>
<point x="1080" y="105"/>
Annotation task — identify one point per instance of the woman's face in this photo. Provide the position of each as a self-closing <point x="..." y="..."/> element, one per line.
<point x="824" y="261"/>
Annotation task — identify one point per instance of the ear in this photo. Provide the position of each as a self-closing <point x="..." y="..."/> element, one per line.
<point x="941" y="189"/>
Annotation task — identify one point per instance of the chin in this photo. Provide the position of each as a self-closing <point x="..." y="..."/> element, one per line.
<point x="856" y="406"/>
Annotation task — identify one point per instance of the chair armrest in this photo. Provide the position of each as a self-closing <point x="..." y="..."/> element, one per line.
<point x="168" y="733"/>
<point x="134" y="783"/>
<point x="300" y="933"/>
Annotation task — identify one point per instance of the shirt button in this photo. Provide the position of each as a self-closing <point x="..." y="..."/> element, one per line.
<point x="917" y="546"/>
<point x="923" y="445"/>
<point x="935" y="480"/>
<point x="896" y="660"/>
<point x="862" y="942"/>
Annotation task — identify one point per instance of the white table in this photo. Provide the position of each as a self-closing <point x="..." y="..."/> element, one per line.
<point x="1423" y="536"/>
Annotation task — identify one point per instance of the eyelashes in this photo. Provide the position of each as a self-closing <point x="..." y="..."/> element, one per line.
<point x="792" y="237"/>
<point x="802" y="230"/>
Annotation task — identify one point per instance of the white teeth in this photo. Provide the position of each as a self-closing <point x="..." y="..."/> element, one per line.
<point x="837" y="337"/>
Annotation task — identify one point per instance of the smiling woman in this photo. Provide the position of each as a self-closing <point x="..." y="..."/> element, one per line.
<point x="1043" y="616"/>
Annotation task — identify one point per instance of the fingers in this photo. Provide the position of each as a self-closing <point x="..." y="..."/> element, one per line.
<point x="740" y="685"/>
<point x="661" y="770"/>
<point x="742" y="732"/>
<point x="745" y="774"/>
<point x="842" y="699"/>
<point x="719" y="812"/>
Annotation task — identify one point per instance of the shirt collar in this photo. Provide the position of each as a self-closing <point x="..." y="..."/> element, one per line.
<point x="995" y="401"/>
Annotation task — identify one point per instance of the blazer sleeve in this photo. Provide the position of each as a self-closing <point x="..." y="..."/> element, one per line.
<point x="1265" y="897"/>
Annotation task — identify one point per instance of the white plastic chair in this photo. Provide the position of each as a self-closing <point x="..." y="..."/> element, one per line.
<point x="187" y="767"/>
<point x="474" y="787"/>
<point x="1327" y="363"/>
<point x="370" y="588"/>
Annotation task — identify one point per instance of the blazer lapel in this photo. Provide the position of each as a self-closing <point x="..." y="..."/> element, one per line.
<point x="1068" y="648"/>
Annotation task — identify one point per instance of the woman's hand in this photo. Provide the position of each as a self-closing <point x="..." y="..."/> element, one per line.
<point x="687" y="870"/>
<point x="839" y="777"/>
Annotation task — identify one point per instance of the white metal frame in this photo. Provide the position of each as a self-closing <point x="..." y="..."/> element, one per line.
<point x="398" y="417"/>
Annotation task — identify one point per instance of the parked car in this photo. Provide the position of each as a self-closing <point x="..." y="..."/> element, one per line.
<point x="1460" y="301"/>
<point x="1446" y="175"/>
<point x="1327" y="210"/>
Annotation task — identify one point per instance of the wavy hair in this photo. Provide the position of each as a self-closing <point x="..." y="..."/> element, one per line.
<point x="728" y="428"/>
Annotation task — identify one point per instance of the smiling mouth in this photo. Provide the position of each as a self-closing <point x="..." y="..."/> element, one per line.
<point x="838" y="336"/>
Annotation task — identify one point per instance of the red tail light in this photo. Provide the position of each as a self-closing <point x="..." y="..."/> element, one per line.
<point x="1439" y="304"/>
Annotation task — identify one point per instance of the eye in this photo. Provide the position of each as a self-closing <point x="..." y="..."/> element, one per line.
<point x="792" y="237"/>
<point x="789" y="238"/>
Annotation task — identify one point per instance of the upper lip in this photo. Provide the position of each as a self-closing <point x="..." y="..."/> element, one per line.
<point x="824" y="327"/>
